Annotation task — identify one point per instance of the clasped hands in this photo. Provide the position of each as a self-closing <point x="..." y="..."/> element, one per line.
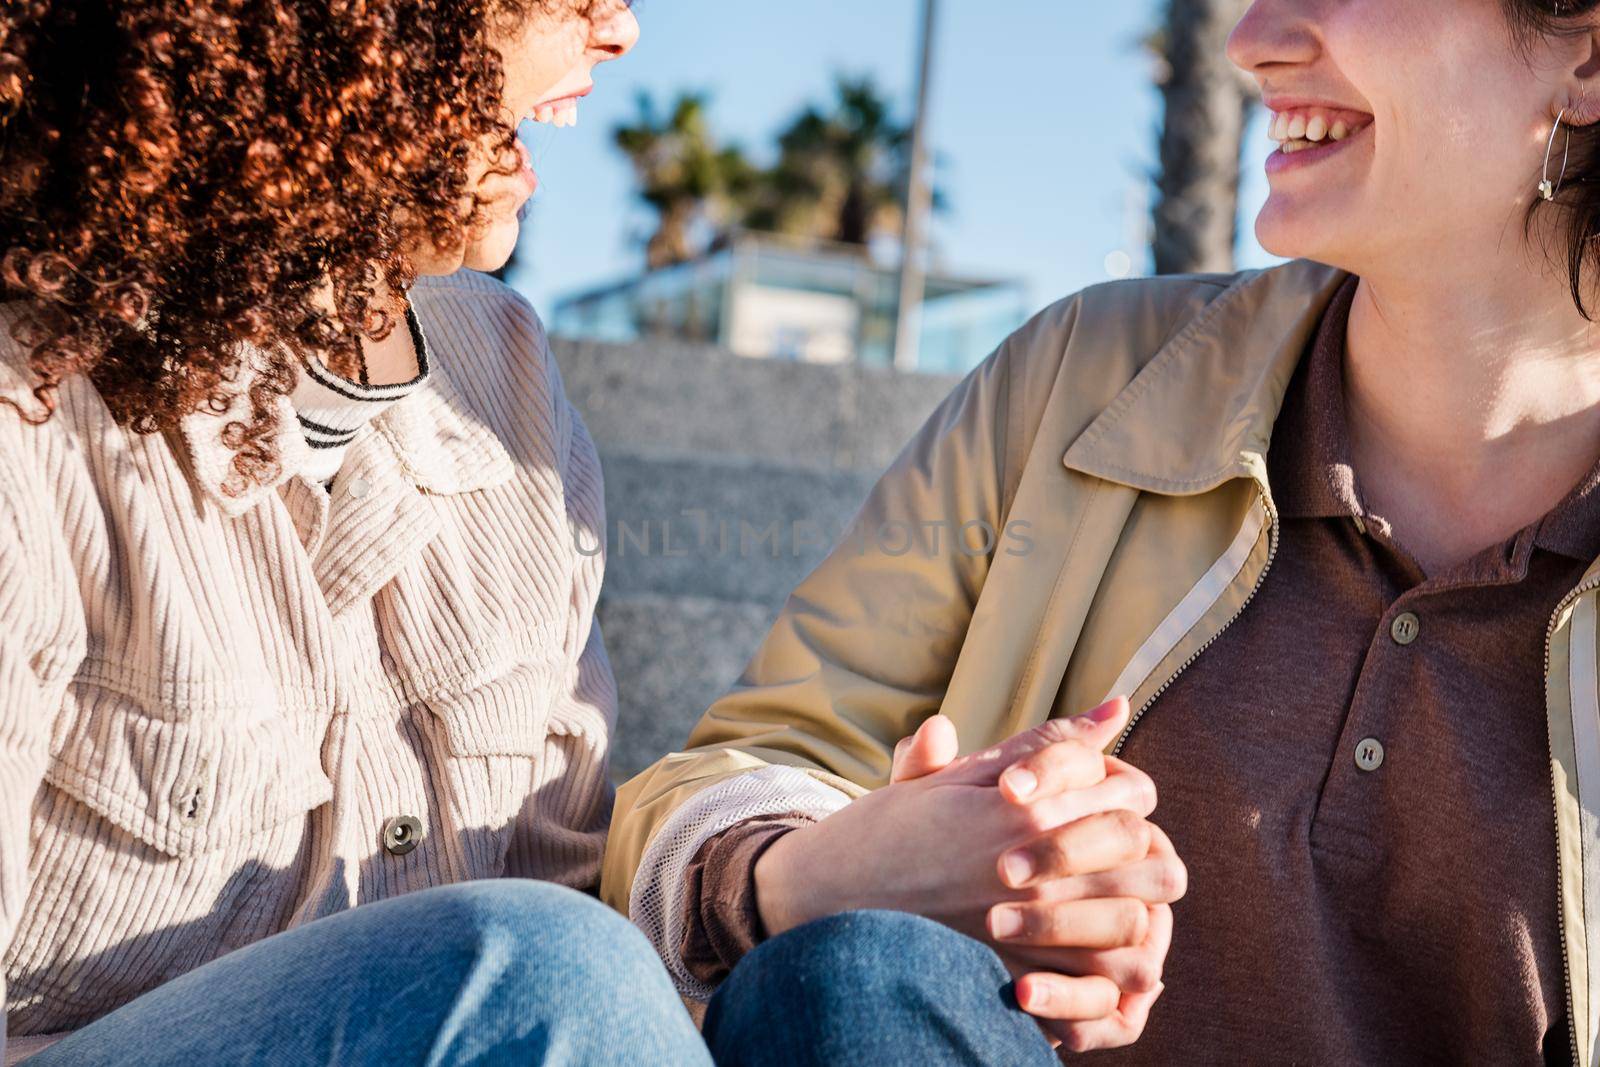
<point x="1040" y="846"/>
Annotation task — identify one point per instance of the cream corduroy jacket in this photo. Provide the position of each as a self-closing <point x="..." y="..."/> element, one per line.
<point x="211" y="707"/>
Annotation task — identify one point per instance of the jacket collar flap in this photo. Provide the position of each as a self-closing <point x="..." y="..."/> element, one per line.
<point x="1201" y="412"/>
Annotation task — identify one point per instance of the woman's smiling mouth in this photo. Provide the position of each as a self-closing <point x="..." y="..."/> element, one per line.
<point x="561" y="111"/>
<point x="1307" y="134"/>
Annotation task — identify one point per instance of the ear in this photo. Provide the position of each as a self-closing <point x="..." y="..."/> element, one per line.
<point x="1583" y="81"/>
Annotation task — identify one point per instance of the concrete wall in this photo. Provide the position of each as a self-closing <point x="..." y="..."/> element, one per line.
<point x="705" y="454"/>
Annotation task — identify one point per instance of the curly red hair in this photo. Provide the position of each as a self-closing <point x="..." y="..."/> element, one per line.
<point x="179" y="177"/>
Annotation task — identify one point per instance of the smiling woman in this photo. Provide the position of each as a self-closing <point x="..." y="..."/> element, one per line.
<point x="1333" y="529"/>
<point x="292" y="621"/>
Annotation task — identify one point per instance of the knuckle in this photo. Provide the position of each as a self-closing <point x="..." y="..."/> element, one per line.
<point x="1132" y="832"/>
<point x="1143" y="973"/>
<point x="1078" y="1039"/>
<point x="1144" y="792"/>
<point x="1054" y="731"/>
<point x="1061" y="852"/>
<point x="1132" y="921"/>
<point x="1172" y="880"/>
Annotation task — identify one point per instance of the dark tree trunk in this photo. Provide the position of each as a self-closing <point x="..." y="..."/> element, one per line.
<point x="1207" y="105"/>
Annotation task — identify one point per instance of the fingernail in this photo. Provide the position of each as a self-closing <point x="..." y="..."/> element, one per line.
<point x="1109" y="710"/>
<point x="1038" y="997"/>
<point x="1018" y="867"/>
<point x="1005" y="922"/>
<point x="1021" y="782"/>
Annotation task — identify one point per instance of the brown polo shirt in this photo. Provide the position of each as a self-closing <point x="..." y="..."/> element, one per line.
<point x="1357" y="774"/>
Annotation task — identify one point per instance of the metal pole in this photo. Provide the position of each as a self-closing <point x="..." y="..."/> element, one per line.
<point x="919" y="203"/>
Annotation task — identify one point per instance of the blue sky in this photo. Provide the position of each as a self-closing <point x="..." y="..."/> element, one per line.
<point x="1043" y="114"/>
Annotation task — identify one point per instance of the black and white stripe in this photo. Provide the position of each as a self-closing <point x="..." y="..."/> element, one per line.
<point x="332" y="409"/>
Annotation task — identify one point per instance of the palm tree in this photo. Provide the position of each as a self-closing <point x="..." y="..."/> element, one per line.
<point x="692" y="183"/>
<point x="840" y="174"/>
<point x="1207" y="106"/>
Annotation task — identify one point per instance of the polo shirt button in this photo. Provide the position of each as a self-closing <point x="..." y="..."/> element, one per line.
<point x="401" y="834"/>
<point x="359" y="488"/>
<point x="1369" y="754"/>
<point x="1405" y="629"/>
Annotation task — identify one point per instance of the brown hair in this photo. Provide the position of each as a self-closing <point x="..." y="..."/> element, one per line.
<point x="179" y="177"/>
<point x="1579" y="194"/>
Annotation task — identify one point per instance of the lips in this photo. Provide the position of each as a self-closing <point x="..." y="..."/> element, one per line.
<point x="560" y="110"/>
<point x="526" y="172"/>
<point x="1307" y="153"/>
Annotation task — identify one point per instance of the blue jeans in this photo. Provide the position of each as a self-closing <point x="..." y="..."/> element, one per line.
<point x="495" y="972"/>
<point x="869" y="988"/>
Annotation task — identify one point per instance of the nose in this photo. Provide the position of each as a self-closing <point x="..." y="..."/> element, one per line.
<point x="614" y="35"/>
<point x="1272" y="35"/>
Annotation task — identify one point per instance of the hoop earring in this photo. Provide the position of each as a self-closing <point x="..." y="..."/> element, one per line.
<point x="1546" y="189"/>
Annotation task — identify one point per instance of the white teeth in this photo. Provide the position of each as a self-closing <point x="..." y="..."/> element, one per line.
<point x="558" y="115"/>
<point x="1307" y="129"/>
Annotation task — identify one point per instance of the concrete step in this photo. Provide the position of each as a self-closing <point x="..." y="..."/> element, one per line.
<point x="670" y="398"/>
<point x="672" y="656"/>
<point x="721" y="530"/>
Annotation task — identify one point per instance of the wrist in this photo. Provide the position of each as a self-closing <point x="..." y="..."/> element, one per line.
<point x="775" y="888"/>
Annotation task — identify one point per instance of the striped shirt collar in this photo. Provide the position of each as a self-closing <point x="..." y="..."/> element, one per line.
<point x="332" y="409"/>
<point x="442" y="445"/>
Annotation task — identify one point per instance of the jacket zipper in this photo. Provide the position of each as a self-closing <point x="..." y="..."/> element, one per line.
<point x="1555" y="812"/>
<point x="1272" y="554"/>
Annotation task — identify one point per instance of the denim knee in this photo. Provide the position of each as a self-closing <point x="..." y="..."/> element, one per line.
<point x="834" y="967"/>
<point x="882" y="953"/>
<point x="864" y="985"/>
<point x="540" y="924"/>
<point x="577" y="979"/>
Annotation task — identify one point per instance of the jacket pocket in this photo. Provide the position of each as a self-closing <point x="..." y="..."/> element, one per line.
<point x="489" y="743"/>
<point x="158" y="836"/>
<point x="184" y="786"/>
<point x="507" y="716"/>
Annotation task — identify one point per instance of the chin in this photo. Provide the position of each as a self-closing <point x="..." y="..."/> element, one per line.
<point x="1336" y="230"/>
<point x="494" y="249"/>
<point x="1284" y="230"/>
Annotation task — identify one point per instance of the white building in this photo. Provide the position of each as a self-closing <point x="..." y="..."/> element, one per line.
<point x="769" y="297"/>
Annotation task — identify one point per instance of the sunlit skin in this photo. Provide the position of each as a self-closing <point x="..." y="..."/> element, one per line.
<point x="945" y="838"/>
<point x="1467" y="358"/>
<point x="547" y="58"/>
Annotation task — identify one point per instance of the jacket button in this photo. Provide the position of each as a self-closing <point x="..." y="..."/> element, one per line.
<point x="1405" y="629"/>
<point x="401" y="834"/>
<point x="359" y="488"/>
<point x="1369" y="754"/>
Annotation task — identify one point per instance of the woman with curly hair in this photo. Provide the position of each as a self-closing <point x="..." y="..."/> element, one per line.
<point x="294" y="614"/>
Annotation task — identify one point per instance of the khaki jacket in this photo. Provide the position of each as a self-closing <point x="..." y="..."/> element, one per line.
<point x="1122" y="435"/>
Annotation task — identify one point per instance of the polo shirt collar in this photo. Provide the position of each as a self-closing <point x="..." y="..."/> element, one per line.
<point x="1310" y="462"/>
